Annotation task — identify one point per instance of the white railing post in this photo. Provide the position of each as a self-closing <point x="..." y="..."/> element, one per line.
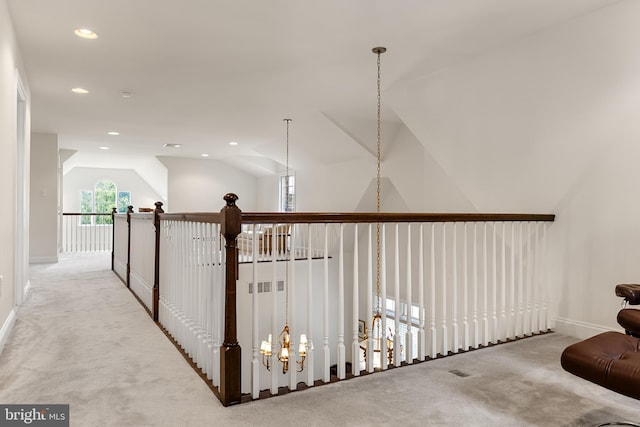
<point x="409" y="335"/>
<point x="422" y="355"/>
<point x="384" y="360"/>
<point x="255" y="363"/>
<point x="485" y="306"/>
<point x="310" y="358"/>
<point x="397" y="341"/>
<point x="503" y="286"/>
<point x="291" y="286"/>
<point x="454" y="266"/>
<point x="476" y="327"/>
<point x="465" y="299"/>
<point x="341" y="350"/>
<point x="274" y="317"/>
<point x="355" y="343"/>
<point x="432" y="266"/>
<point x="445" y="332"/>
<point x="326" y="372"/>
<point x="494" y="286"/>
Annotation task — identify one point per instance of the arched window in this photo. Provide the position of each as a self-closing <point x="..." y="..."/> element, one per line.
<point x="102" y="199"/>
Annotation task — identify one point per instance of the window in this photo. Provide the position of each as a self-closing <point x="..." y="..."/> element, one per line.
<point x="102" y="200"/>
<point x="124" y="201"/>
<point x="287" y="193"/>
<point x="86" y="206"/>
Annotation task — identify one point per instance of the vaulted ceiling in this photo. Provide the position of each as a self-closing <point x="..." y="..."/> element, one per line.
<point x="203" y="73"/>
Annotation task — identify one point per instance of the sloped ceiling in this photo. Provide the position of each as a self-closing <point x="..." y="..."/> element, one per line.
<point x="204" y="73"/>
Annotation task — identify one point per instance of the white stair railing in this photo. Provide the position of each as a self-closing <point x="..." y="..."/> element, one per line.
<point x="451" y="286"/>
<point x="86" y="232"/>
<point x="191" y="290"/>
<point x="440" y="283"/>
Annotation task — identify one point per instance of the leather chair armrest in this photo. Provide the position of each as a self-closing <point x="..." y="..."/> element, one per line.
<point x="630" y="292"/>
<point x="629" y="319"/>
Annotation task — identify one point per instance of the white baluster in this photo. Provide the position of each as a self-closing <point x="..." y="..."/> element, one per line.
<point x="503" y="286"/>
<point x="326" y="373"/>
<point x="275" y="327"/>
<point x="494" y="285"/>
<point x="521" y="255"/>
<point x="529" y="322"/>
<point x="485" y="307"/>
<point x="309" y="360"/>
<point x="465" y="317"/>
<point x="535" y="283"/>
<point x="544" y="315"/>
<point x="384" y="360"/>
<point x="293" y="372"/>
<point x="476" y="327"/>
<point x="512" y="284"/>
<point x="409" y="336"/>
<point x="355" y="339"/>
<point x="422" y="355"/>
<point x="454" y="266"/>
<point x="341" y="350"/>
<point x="445" y="333"/>
<point x="432" y="328"/>
<point x="255" y="363"/>
<point x="397" y="342"/>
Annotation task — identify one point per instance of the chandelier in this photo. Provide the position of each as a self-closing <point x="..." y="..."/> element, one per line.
<point x="284" y="353"/>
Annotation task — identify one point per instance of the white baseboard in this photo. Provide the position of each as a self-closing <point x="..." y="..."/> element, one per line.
<point x="43" y="260"/>
<point x="579" y="329"/>
<point x="7" y="327"/>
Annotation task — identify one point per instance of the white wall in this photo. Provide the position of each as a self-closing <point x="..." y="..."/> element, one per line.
<point x="43" y="221"/>
<point x="199" y="185"/>
<point x="549" y="125"/>
<point x="10" y="71"/>
<point x="84" y="179"/>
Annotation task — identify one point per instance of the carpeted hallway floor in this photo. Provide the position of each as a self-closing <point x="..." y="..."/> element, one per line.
<point x="82" y="339"/>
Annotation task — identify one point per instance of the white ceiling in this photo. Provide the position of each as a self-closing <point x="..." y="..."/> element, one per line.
<point x="207" y="72"/>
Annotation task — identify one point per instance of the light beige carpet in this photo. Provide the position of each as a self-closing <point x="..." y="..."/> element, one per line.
<point x="82" y="339"/>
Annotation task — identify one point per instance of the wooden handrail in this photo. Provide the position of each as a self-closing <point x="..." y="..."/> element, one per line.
<point x="352" y="217"/>
<point x="88" y="213"/>
<point x="206" y="217"/>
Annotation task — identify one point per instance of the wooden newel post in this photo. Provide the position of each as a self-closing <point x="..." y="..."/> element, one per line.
<point x="129" y="212"/>
<point x="156" y="271"/>
<point x="113" y="235"/>
<point x="230" y="380"/>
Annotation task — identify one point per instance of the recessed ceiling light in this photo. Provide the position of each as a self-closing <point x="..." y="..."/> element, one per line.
<point x="85" y="33"/>
<point x="173" y="145"/>
<point x="112" y="133"/>
<point x="233" y="143"/>
<point x="104" y="148"/>
<point x="126" y="94"/>
<point x="79" y="90"/>
<point x="204" y="155"/>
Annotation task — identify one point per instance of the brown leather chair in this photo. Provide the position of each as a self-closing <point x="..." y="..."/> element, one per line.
<point x="611" y="359"/>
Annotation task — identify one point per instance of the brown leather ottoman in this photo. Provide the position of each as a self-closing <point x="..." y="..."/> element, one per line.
<point x="610" y="359"/>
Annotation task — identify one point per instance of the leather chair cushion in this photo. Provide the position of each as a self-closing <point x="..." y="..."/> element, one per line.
<point x="630" y="292"/>
<point x="629" y="319"/>
<point x="610" y="359"/>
